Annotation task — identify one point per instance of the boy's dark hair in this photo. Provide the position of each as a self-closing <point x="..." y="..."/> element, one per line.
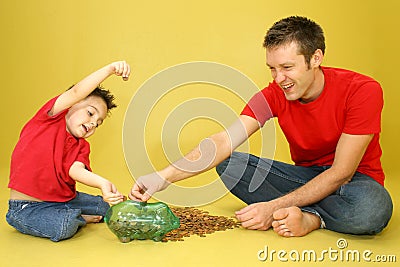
<point x="308" y="35"/>
<point x="103" y="94"/>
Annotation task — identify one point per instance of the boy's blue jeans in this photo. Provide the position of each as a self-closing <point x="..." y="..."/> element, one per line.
<point x="362" y="206"/>
<point x="54" y="220"/>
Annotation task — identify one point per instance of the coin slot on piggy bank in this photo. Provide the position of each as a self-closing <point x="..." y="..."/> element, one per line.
<point x="130" y="220"/>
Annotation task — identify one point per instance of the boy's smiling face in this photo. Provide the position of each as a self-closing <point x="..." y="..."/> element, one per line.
<point x="84" y="117"/>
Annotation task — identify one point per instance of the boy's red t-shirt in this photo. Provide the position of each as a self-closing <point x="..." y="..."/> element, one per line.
<point x="42" y="157"/>
<point x="350" y="103"/>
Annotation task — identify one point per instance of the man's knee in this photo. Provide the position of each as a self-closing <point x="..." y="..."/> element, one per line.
<point x="367" y="214"/>
<point x="222" y="167"/>
<point x="375" y="219"/>
<point x="237" y="161"/>
<point x="374" y="215"/>
<point x="364" y="225"/>
<point x="231" y="170"/>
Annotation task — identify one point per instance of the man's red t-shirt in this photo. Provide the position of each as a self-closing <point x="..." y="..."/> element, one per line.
<point x="350" y="103"/>
<point x="42" y="158"/>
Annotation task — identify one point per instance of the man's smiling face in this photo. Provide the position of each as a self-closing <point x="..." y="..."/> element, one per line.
<point x="292" y="73"/>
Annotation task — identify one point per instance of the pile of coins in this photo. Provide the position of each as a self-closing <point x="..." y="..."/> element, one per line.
<point x="197" y="222"/>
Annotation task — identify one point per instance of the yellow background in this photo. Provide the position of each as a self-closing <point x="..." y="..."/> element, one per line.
<point x="48" y="45"/>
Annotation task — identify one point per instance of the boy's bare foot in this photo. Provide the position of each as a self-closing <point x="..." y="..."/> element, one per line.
<point x="294" y="222"/>
<point x="92" y="218"/>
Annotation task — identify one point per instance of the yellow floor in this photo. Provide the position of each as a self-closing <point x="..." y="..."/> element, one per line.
<point x="95" y="245"/>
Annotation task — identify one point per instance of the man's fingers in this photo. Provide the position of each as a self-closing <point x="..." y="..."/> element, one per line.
<point x="132" y="197"/>
<point x="244" y="210"/>
<point x="244" y="216"/>
<point x="138" y="193"/>
<point x="135" y="195"/>
<point x="146" y="196"/>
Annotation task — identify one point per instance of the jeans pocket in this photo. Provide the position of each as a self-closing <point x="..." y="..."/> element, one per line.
<point x="22" y="216"/>
<point x="339" y="191"/>
<point x="14" y="217"/>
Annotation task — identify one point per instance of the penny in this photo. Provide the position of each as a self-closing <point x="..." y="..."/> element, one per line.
<point x="194" y="221"/>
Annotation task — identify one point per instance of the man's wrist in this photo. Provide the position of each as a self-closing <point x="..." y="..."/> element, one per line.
<point x="168" y="174"/>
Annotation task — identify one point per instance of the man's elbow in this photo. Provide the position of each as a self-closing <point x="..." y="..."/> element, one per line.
<point x="344" y="174"/>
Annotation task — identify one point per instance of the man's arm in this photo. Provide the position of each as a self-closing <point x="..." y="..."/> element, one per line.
<point x="83" y="88"/>
<point x="208" y="154"/>
<point x="212" y="151"/>
<point x="349" y="152"/>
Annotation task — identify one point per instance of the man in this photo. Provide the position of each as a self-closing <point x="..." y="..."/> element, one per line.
<point x="331" y="118"/>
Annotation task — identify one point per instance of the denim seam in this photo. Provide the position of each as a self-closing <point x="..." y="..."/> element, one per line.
<point x="258" y="165"/>
<point x="287" y="177"/>
<point x="61" y="235"/>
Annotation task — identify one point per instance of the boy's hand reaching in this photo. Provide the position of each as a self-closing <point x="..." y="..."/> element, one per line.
<point x="121" y="68"/>
<point x="111" y="194"/>
<point x="79" y="173"/>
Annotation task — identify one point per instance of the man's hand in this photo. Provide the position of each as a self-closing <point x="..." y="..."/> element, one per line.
<point x="257" y="216"/>
<point x="146" y="186"/>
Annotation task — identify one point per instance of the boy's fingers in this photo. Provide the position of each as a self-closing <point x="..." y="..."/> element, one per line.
<point x="126" y="72"/>
<point x="118" y="68"/>
<point x="114" y="189"/>
<point x="115" y="200"/>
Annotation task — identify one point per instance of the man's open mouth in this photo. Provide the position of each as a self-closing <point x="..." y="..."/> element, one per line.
<point x="287" y="86"/>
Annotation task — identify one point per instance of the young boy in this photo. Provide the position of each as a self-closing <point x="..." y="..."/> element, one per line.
<point x="52" y="155"/>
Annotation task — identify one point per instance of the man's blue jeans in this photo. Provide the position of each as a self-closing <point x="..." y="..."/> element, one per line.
<point x="362" y="206"/>
<point x="54" y="220"/>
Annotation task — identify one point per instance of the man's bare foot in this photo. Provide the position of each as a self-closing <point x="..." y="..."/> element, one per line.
<point x="294" y="222"/>
<point x="92" y="218"/>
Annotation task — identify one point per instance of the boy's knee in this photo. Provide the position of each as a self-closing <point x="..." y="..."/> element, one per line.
<point x="69" y="225"/>
<point x="103" y="207"/>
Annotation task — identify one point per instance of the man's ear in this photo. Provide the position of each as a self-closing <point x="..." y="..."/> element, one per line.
<point x="317" y="58"/>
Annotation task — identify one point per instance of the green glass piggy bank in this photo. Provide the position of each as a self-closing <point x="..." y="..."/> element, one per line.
<point x="131" y="220"/>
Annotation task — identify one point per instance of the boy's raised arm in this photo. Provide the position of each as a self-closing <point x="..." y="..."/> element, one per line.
<point x="83" y="88"/>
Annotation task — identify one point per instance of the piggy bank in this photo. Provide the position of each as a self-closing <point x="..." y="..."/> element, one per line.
<point x="131" y="220"/>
